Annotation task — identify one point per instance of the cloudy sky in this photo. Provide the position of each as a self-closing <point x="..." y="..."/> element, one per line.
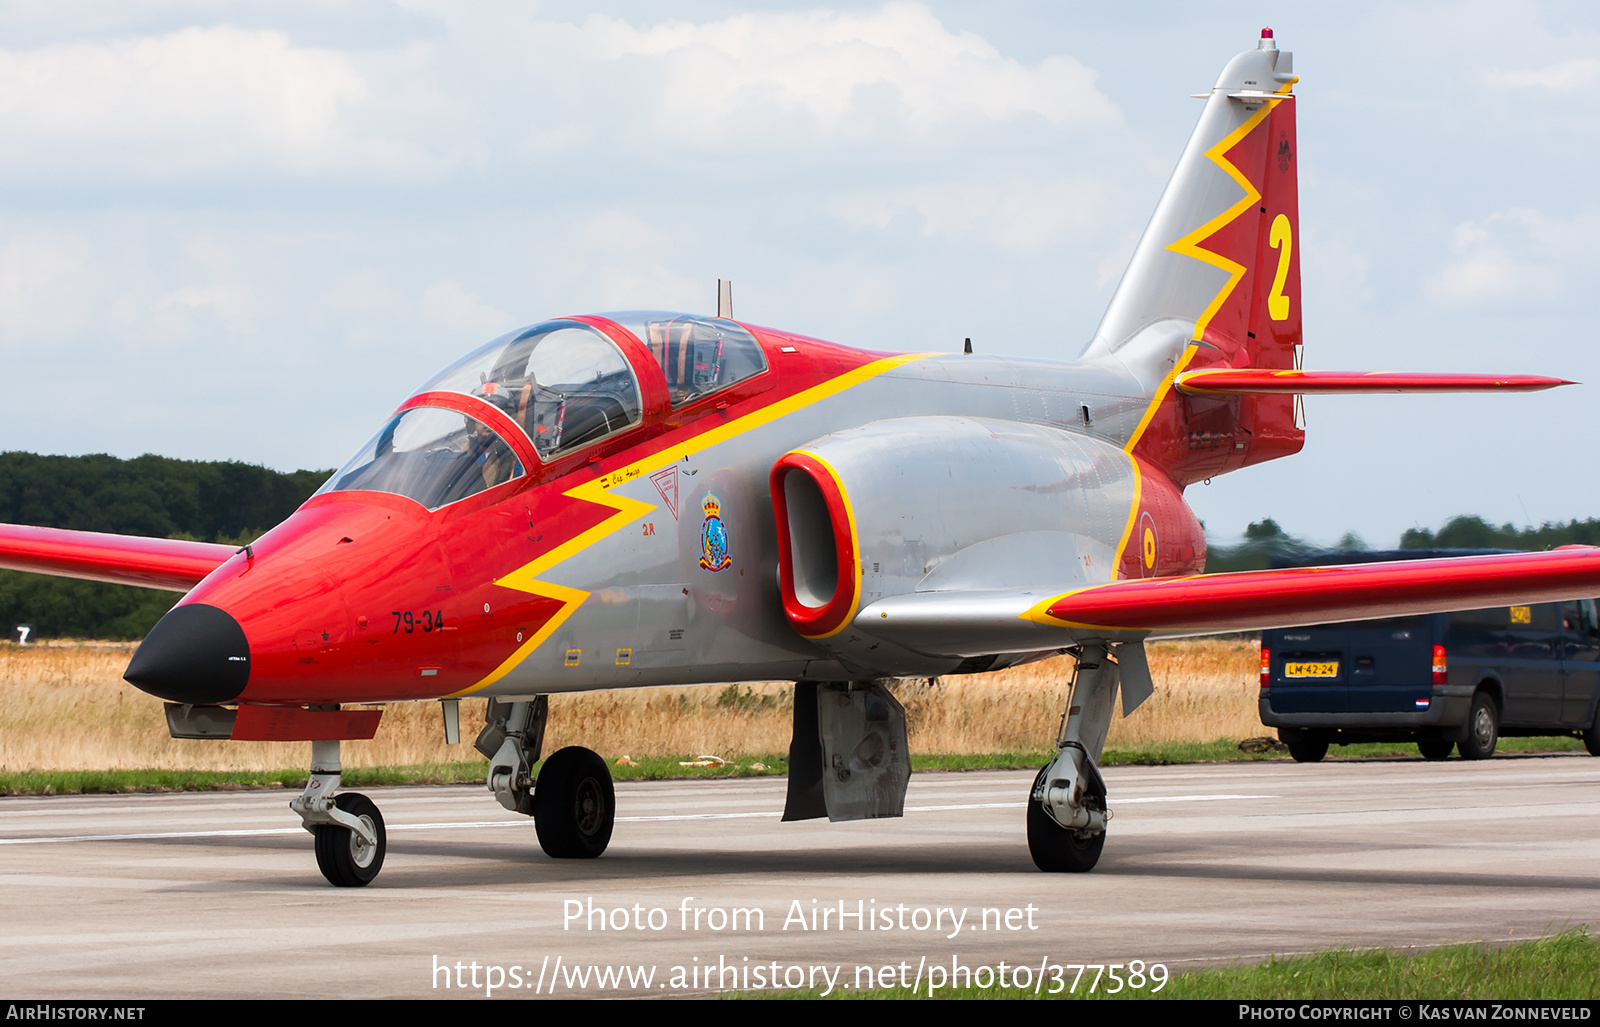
<point x="245" y="230"/>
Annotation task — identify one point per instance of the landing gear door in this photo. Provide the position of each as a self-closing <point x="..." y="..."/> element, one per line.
<point x="865" y="763"/>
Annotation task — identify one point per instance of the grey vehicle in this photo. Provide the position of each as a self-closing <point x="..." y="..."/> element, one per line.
<point x="1443" y="680"/>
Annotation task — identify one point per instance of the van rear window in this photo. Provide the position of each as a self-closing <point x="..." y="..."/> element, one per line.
<point x="1496" y="617"/>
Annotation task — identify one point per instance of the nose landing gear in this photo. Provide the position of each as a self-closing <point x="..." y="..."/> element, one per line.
<point x="350" y="839"/>
<point x="346" y="857"/>
<point x="1067" y="812"/>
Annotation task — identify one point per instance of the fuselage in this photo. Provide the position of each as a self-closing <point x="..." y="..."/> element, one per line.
<point x="525" y="560"/>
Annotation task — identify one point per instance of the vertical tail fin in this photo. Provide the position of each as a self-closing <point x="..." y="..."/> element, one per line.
<point x="1215" y="280"/>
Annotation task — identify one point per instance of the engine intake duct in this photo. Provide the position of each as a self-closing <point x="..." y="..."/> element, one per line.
<point x="818" y="560"/>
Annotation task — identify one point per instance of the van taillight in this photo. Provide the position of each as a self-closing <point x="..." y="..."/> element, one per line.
<point x="1440" y="665"/>
<point x="1266" y="667"/>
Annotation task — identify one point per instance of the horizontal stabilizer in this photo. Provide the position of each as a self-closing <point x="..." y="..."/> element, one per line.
<point x="1234" y="381"/>
<point x="172" y="564"/>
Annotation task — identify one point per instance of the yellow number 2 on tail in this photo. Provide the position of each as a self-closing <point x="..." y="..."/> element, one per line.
<point x="1282" y="240"/>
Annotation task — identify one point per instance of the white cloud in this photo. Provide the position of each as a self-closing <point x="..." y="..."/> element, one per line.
<point x="896" y="68"/>
<point x="463" y="313"/>
<point x="206" y="100"/>
<point x="43" y="276"/>
<point x="1019" y="214"/>
<point x="1515" y="258"/>
<point x="1563" y="77"/>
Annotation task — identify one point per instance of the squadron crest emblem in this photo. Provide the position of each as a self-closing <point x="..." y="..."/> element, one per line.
<point x="713" y="535"/>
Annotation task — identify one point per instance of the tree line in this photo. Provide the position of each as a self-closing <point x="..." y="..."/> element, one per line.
<point x="211" y="501"/>
<point x="1265" y="541"/>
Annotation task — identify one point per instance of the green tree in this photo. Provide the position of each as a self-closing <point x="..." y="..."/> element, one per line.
<point x="220" y="501"/>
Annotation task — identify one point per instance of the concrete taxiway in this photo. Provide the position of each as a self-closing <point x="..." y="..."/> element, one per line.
<point x="217" y="894"/>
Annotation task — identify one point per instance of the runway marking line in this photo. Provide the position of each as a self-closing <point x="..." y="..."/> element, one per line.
<point x="459" y="824"/>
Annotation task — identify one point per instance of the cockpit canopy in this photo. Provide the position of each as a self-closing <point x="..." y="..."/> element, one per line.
<point x="698" y="355"/>
<point x="564" y="384"/>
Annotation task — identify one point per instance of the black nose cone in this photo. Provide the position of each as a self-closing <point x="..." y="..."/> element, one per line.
<point x="195" y="654"/>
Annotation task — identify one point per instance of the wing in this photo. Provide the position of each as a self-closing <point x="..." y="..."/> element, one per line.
<point x="172" y="564"/>
<point x="970" y="624"/>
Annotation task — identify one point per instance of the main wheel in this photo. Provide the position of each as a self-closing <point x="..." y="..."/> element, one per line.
<point x="574" y="804"/>
<point x="1483" y="729"/>
<point x="344" y="858"/>
<point x="1591" y="736"/>
<point x="1434" y="747"/>
<point x="1304" y="746"/>
<point x="1056" y="850"/>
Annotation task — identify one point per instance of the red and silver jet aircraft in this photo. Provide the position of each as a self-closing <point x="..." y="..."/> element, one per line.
<point x="650" y="498"/>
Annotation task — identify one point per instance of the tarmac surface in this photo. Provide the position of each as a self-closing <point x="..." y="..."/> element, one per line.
<point x="218" y="895"/>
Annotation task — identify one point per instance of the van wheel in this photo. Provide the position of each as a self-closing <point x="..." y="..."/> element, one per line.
<point x="1434" y="747"/>
<point x="1483" y="729"/>
<point x="1591" y="737"/>
<point x="1304" y="746"/>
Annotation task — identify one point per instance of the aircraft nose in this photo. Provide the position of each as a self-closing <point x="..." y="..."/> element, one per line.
<point x="195" y="654"/>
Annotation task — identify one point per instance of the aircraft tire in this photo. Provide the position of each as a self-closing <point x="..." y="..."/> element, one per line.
<point x="574" y="804"/>
<point x="1483" y="729"/>
<point x="1056" y="850"/>
<point x="1435" y="747"/>
<point x="344" y="859"/>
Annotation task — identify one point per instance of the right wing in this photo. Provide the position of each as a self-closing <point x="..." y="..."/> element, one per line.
<point x="973" y="623"/>
<point x="172" y="564"/>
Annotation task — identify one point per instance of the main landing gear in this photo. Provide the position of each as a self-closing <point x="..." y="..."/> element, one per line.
<point x="348" y="828"/>
<point x="1067" y="812"/>
<point x="573" y="803"/>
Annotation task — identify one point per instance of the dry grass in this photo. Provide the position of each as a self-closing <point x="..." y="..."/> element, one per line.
<point x="65" y="707"/>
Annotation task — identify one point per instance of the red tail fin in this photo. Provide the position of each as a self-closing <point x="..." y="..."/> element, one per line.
<point x="1215" y="282"/>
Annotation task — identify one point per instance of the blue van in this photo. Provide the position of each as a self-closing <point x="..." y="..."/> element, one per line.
<point x="1443" y="680"/>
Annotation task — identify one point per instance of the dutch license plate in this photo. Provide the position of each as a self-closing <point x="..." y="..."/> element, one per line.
<point x="1311" y="670"/>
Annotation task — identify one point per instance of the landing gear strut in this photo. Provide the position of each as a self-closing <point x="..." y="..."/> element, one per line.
<point x="573" y="803"/>
<point x="350" y="840"/>
<point x="1067" y="812"/>
<point x="512" y="738"/>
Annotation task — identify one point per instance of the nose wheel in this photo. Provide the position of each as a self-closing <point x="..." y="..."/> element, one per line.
<point x="347" y="828"/>
<point x="1057" y="850"/>
<point x="345" y="857"/>
<point x="574" y="804"/>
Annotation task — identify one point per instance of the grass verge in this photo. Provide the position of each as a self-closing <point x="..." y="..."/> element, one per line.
<point x="1564" y="966"/>
<point x="662" y="768"/>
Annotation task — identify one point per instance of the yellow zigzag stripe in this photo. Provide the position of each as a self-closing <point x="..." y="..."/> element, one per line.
<point x="1189" y="245"/>
<point x="597" y="491"/>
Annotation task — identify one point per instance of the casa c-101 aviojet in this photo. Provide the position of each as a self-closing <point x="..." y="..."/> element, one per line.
<point x="644" y="498"/>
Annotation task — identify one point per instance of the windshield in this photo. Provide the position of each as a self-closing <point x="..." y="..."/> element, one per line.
<point x="562" y="382"/>
<point x="431" y="455"/>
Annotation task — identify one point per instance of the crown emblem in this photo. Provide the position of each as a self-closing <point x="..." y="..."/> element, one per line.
<point x="713" y="536"/>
